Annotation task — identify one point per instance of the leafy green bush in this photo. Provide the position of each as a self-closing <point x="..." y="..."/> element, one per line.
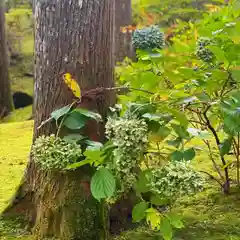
<point x="54" y="153"/>
<point x="148" y="38"/>
<point x="175" y="179"/>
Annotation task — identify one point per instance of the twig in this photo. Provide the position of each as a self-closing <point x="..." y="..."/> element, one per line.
<point x="45" y="122"/>
<point x="212" y="177"/>
<point x="92" y="94"/>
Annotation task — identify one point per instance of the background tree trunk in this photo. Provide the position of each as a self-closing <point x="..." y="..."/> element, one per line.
<point x="123" y="39"/>
<point x="5" y="92"/>
<point x="76" y="37"/>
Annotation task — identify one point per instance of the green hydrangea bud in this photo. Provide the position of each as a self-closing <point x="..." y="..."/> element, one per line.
<point x="148" y="38"/>
<point x="202" y="52"/>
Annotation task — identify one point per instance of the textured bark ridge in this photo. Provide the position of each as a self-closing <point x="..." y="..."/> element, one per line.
<point x="5" y="93"/>
<point x="123" y="40"/>
<point x="76" y="37"/>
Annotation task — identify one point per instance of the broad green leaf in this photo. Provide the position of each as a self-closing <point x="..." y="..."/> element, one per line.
<point x="166" y="229"/>
<point x="139" y="211"/>
<point x="75" y="121"/>
<point x="180" y="117"/>
<point x="61" y="112"/>
<point x="89" y="114"/>
<point x="189" y="154"/>
<point x="80" y="164"/>
<point x="160" y="135"/>
<point x="180" y="131"/>
<point x="225" y="147"/>
<point x="103" y="184"/>
<point x="153" y="218"/>
<point x="141" y="185"/>
<point x="177" y="156"/>
<point x="74" y="138"/>
<point x="218" y="52"/>
<point x="175" y="220"/>
<point x="93" y="155"/>
<point x="158" y="201"/>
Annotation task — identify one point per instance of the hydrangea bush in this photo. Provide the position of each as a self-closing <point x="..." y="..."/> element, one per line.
<point x="130" y="138"/>
<point x="175" y="179"/>
<point x="54" y="153"/>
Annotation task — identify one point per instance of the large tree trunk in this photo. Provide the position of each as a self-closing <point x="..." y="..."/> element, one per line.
<point x="5" y="93"/>
<point x="123" y="38"/>
<point x="76" y="37"/>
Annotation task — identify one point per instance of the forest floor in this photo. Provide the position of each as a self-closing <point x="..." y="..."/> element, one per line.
<point x="209" y="215"/>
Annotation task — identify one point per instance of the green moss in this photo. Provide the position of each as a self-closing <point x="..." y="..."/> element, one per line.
<point x="19" y="115"/>
<point x="15" y="142"/>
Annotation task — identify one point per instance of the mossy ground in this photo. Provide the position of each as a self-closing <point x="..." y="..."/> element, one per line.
<point x="208" y="215"/>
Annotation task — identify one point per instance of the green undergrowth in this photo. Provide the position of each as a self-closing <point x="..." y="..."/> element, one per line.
<point x="208" y="215"/>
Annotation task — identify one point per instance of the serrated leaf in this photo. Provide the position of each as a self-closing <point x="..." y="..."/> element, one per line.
<point x="175" y="220"/>
<point x="75" y="121"/>
<point x="153" y="218"/>
<point x="189" y="154"/>
<point x="103" y="184"/>
<point x="225" y="147"/>
<point x="166" y="229"/>
<point x="139" y="211"/>
<point x="61" y="112"/>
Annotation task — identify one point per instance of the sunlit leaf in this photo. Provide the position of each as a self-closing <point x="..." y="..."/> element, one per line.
<point x="72" y="84"/>
<point x="153" y="218"/>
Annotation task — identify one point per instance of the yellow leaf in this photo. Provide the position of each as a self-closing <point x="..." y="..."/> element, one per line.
<point x="227" y="164"/>
<point x="72" y="84"/>
<point x="153" y="218"/>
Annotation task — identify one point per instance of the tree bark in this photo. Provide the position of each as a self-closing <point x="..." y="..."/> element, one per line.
<point x="123" y="39"/>
<point x="76" y="37"/>
<point x="5" y="92"/>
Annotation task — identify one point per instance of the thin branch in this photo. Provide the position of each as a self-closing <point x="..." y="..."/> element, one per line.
<point x="212" y="177"/>
<point x="211" y="128"/>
